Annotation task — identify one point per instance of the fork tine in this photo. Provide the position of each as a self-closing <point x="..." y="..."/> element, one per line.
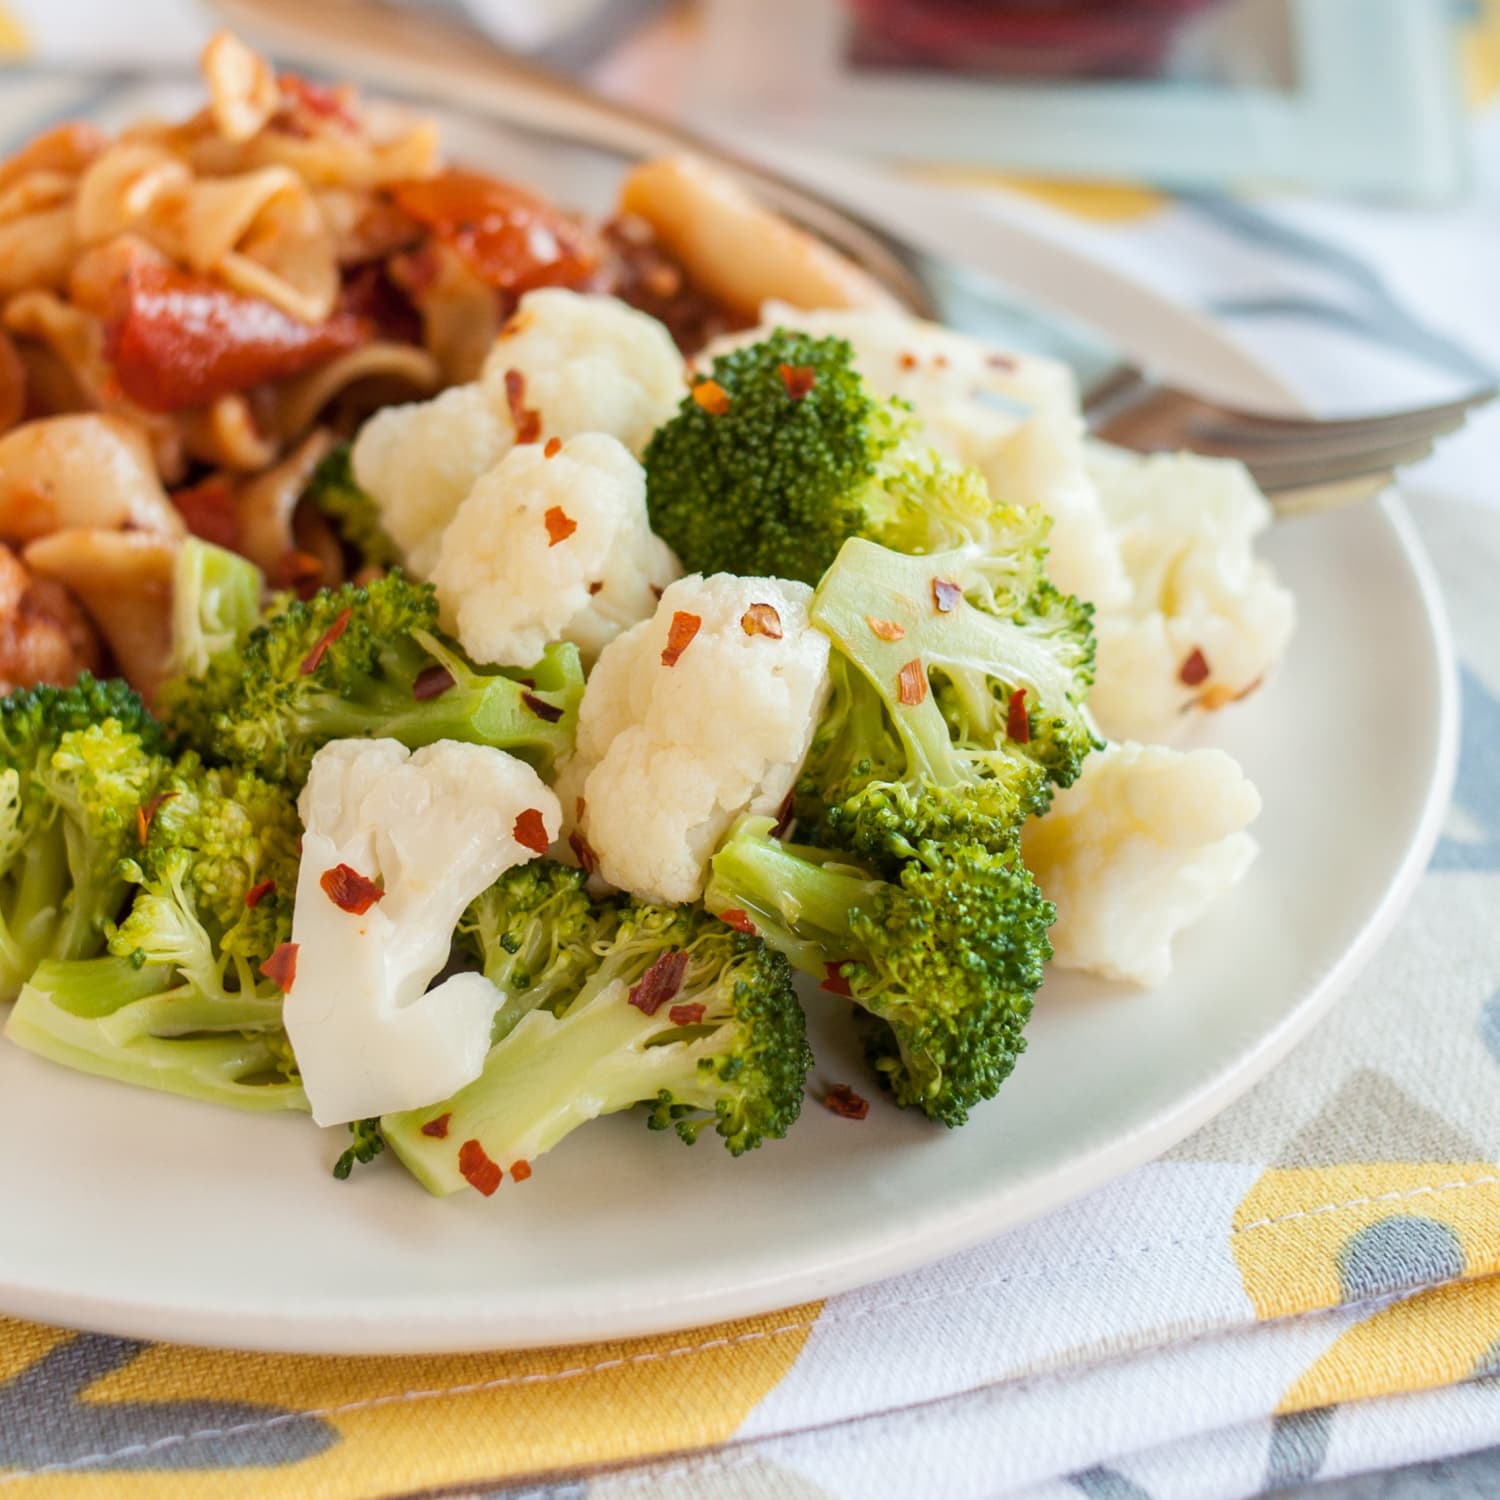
<point x="1296" y="470"/>
<point x="1233" y="429"/>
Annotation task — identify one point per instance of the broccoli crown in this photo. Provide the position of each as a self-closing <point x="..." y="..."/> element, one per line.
<point x="942" y="950"/>
<point x="367" y="660"/>
<point x="352" y="512"/>
<point x="537" y="936"/>
<point x="216" y="879"/>
<point x="975" y="656"/>
<point x="77" y="766"/>
<point x="680" y="1013"/>
<point x="772" y="485"/>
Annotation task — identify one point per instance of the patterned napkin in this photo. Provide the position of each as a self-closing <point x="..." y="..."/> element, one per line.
<point x="1308" y="1287"/>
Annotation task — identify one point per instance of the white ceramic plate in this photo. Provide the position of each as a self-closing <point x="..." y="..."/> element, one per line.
<point x="149" y="1216"/>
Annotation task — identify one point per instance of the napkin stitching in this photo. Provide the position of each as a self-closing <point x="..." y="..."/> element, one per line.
<point x="470" y="1388"/>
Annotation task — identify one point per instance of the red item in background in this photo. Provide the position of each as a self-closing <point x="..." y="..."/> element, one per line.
<point x="1023" y="38"/>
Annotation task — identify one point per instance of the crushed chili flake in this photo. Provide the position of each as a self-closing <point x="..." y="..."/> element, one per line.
<point x="209" y="510"/>
<point x="530" y="831"/>
<point x="798" y="380"/>
<point x="145" y="813"/>
<point x="940" y="361"/>
<point x="946" y="594"/>
<point x="911" y="683"/>
<point x="834" y="981"/>
<point x="578" y="806"/>
<point x="349" y="890"/>
<point x="553" y="448"/>
<point x="680" y="635"/>
<point x="438" y="1128"/>
<point x="476" y="1168"/>
<point x="549" y="713"/>
<point x="258" y="893"/>
<point x="907" y="361"/>
<point x="659" y="983"/>
<point x="887" y="630"/>
<point x="300" y="572"/>
<point x="844" y="1102"/>
<point x="738" y="919"/>
<point x="761" y="619"/>
<point x="1017" y="724"/>
<point x="1195" y="669"/>
<point x="712" y="397"/>
<point x="686" y="1015"/>
<point x="1215" y="696"/>
<point x="784" y="815"/>
<point x="560" y="525"/>
<point x="1000" y="362"/>
<point x="431" y="682"/>
<point x="520" y="1171"/>
<point x="588" y="861"/>
<point x="526" y="421"/>
<point x="595" y="586"/>
<point x="281" y="967"/>
<point x="314" y="658"/>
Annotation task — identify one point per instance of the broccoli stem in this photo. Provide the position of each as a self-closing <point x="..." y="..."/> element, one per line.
<point x="549" y="1076"/>
<point x="32" y="915"/>
<point x="99" y="1016"/>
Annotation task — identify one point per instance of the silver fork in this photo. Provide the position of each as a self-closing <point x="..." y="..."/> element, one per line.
<point x="1302" y="463"/>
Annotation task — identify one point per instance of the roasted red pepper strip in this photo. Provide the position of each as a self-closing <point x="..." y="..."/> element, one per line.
<point x="509" y="239"/>
<point x="179" y="340"/>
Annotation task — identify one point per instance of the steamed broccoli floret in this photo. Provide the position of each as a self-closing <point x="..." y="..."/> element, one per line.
<point x="360" y="661"/>
<point x="774" y="483"/>
<point x="683" y="1014"/>
<point x="352" y="512"/>
<point x="179" y="1002"/>
<point x="77" y="766"/>
<point x="367" y="1144"/>
<point x="537" y="936"/>
<point x="942" y="951"/>
<point x="974" y="655"/>
<point x="215" y="603"/>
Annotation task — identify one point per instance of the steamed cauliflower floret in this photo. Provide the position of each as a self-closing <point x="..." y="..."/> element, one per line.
<point x="669" y="755"/>
<point x="588" y="364"/>
<point x="1186" y="527"/>
<point x="419" y="461"/>
<point x="1014" y="418"/>
<point x="1136" y="850"/>
<point x="509" y="584"/>
<point x="433" y="829"/>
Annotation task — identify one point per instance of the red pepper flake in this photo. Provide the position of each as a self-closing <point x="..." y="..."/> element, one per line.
<point x="560" y="525"/>
<point x="300" y="572"/>
<point x="595" y="586"/>
<point x="438" y="1128"/>
<point x="578" y="806"/>
<point x="314" y="658"/>
<point x="686" y="1015"/>
<point x="887" y="630"/>
<point x="553" y="448"/>
<point x="946" y="595"/>
<point x="520" y="1171"/>
<point x="530" y="831"/>
<point x="712" y="397"/>
<point x="431" y="682"/>
<point x="349" y="890"/>
<point x="1195" y="669"/>
<point x="588" y="861"/>
<point x="907" y="361"/>
<point x="680" y="635"/>
<point x="477" y="1169"/>
<point x="147" y="812"/>
<point x="940" y="361"/>
<point x="738" y="919"/>
<point x="761" y="619"/>
<point x="784" y="815"/>
<point x="281" y="967"/>
<point x="258" y="893"/>
<point x="1017" y="724"/>
<point x="911" y="683"/>
<point x="549" y="713"/>
<point x="834" y="981"/>
<point x="659" y="983"/>
<point x="209" y="511"/>
<point x="528" y="423"/>
<point x="1000" y="362"/>
<point x="798" y="380"/>
<point x="844" y="1102"/>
